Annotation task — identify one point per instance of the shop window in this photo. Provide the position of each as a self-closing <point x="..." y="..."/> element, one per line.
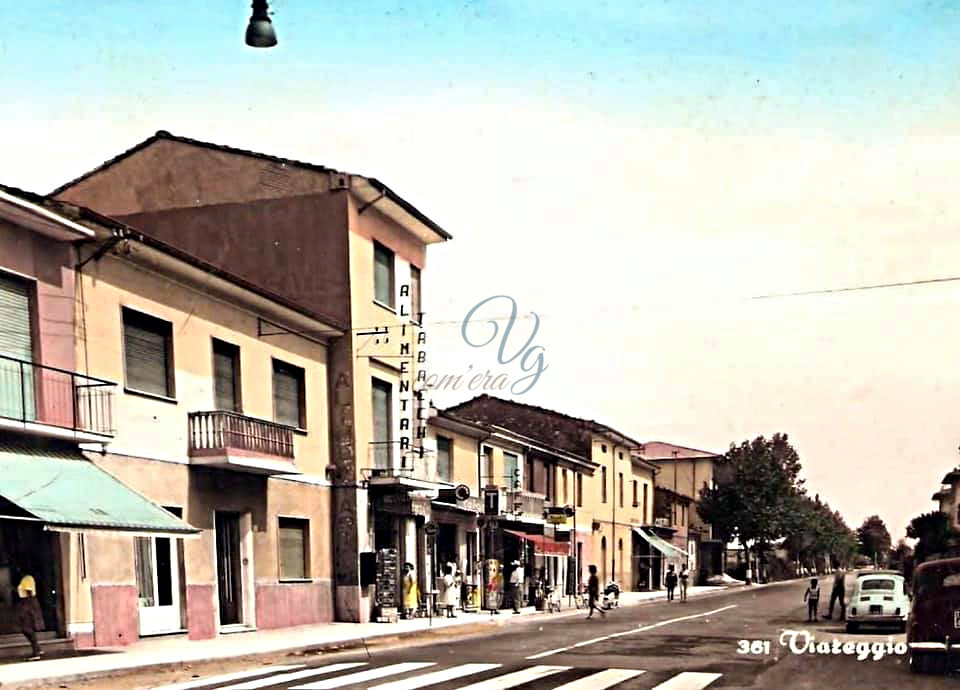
<point x="293" y="541"/>
<point x="148" y="354"/>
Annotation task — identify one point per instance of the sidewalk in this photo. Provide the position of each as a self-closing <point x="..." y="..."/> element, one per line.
<point x="159" y="652"/>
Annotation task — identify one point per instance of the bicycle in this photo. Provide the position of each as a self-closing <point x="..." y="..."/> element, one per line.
<point x="580" y="598"/>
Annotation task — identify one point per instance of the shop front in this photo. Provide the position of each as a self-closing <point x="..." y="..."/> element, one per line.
<point x="653" y="555"/>
<point x="51" y="499"/>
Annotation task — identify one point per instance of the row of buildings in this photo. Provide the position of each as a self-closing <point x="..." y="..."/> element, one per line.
<point x="215" y="414"/>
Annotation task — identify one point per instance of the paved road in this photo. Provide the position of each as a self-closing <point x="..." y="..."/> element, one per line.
<point x="667" y="646"/>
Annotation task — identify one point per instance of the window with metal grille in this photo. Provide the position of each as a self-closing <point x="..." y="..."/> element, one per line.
<point x="226" y="376"/>
<point x="289" y="395"/>
<point x="293" y="541"/>
<point x="148" y="353"/>
<point x="383" y="275"/>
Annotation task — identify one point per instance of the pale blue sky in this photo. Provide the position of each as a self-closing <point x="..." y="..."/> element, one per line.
<point x="633" y="171"/>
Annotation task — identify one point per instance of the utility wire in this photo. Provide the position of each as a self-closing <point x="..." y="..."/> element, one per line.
<point x="828" y="291"/>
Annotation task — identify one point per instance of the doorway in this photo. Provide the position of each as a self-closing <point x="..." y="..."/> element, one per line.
<point x="158" y="585"/>
<point x="229" y="579"/>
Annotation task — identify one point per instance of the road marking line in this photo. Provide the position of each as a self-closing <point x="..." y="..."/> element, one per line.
<point x="516" y="678"/>
<point x="296" y="675"/>
<point x="436" y="677"/>
<point x="602" y="680"/>
<point x="226" y="677"/>
<point x="629" y="632"/>
<point x="364" y="676"/>
<point x="688" y="680"/>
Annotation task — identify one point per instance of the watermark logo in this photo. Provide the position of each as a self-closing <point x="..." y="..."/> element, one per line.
<point x="531" y="357"/>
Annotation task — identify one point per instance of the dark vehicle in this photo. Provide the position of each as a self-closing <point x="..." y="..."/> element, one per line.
<point x="933" y="629"/>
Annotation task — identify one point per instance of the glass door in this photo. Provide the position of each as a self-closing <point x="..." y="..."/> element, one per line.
<point x="158" y="584"/>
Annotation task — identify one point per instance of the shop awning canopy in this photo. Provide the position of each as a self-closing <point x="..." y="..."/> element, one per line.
<point x="661" y="545"/>
<point x="543" y="545"/>
<point x="56" y="485"/>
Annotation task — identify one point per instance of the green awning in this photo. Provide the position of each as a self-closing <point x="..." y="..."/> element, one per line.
<point x="661" y="545"/>
<point x="55" y="484"/>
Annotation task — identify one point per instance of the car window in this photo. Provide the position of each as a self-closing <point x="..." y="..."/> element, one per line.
<point x="878" y="584"/>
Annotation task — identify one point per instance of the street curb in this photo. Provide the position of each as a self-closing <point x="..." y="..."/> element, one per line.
<point x="385" y="640"/>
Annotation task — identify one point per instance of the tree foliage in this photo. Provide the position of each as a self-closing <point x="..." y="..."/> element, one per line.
<point x="756" y="487"/>
<point x="817" y="530"/>
<point x="874" y="538"/>
<point x="933" y="534"/>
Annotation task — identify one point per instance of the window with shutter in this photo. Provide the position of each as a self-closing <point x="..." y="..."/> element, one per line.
<point x="16" y="341"/>
<point x="382" y="424"/>
<point x="148" y="353"/>
<point x="383" y="285"/>
<point x="288" y="395"/>
<point x="444" y="458"/>
<point x="293" y="541"/>
<point x="226" y="376"/>
<point x="415" y="305"/>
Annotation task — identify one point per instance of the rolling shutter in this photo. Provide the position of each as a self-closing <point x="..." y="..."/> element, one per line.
<point x="16" y="340"/>
<point x="147" y="353"/>
<point x="287" y="385"/>
<point x="381" y="423"/>
<point x="225" y="358"/>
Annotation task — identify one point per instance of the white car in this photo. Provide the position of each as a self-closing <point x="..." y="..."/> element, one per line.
<point x="879" y="599"/>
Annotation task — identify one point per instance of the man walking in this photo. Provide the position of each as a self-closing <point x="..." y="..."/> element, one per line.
<point x="684" y="580"/>
<point x="28" y="614"/>
<point x="516" y="585"/>
<point x="837" y="594"/>
<point x="593" y="593"/>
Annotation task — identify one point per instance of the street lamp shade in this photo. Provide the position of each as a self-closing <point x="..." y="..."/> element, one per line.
<point x="260" y="33"/>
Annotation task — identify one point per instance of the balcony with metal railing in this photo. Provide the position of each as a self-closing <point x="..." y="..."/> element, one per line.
<point x="229" y="440"/>
<point x="47" y="401"/>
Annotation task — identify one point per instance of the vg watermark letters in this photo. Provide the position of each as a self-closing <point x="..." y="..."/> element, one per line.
<point x="531" y="357"/>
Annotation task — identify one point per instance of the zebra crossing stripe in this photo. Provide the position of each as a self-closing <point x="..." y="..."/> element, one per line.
<point x="516" y="678"/>
<point x="688" y="681"/>
<point x="364" y="676"/>
<point x="226" y="677"/>
<point x="296" y="675"/>
<point x="436" y="677"/>
<point x="601" y="680"/>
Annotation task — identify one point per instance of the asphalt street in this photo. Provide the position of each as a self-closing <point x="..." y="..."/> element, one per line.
<point x="731" y="640"/>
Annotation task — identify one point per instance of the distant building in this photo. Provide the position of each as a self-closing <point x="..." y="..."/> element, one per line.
<point x="948" y="497"/>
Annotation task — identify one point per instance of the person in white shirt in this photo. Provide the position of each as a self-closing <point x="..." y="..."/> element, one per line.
<point x="516" y="585"/>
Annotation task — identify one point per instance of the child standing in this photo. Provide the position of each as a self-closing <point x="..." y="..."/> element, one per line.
<point x="812" y="597"/>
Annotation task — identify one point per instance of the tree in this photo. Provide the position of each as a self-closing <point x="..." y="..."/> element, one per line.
<point x="933" y="532"/>
<point x="756" y="488"/>
<point x="901" y="556"/>
<point x="874" y="538"/>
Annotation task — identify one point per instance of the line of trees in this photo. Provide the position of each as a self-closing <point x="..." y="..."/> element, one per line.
<point x="758" y="499"/>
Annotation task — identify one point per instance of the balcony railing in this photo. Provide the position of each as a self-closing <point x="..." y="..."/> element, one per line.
<point x="221" y="431"/>
<point x="39" y="396"/>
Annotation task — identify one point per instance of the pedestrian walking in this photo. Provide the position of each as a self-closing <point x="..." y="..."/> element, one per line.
<point x="516" y="586"/>
<point x="684" y="580"/>
<point x="28" y="614"/>
<point x="671" y="582"/>
<point x="593" y="593"/>
<point x="812" y="597"/>
<point x="837" y="594"/>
